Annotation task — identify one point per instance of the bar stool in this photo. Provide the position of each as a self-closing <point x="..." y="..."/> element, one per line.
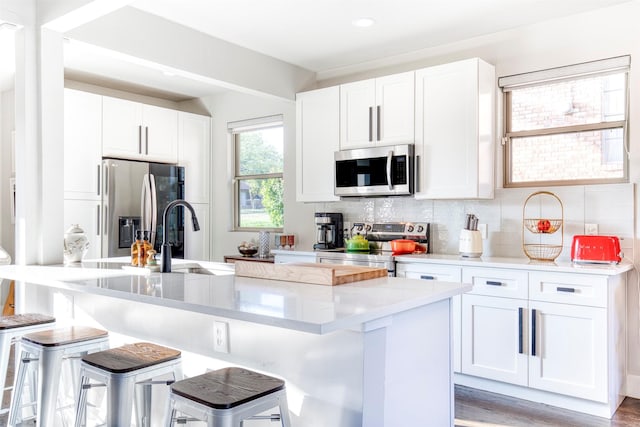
<point x="50" y="348"/>
<point x="11" y="329"/>
<point x="227" y="397"/>
<point x="120" y="369"/>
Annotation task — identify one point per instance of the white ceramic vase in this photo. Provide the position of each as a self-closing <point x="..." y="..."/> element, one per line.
<point x="76" y="244"/>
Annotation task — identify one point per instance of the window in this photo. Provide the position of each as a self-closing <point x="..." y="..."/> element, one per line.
<point x="567" y="125"/>
<point x="258" y="163"/>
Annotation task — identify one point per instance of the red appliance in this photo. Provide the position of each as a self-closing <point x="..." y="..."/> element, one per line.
<point x="597" y="249"/>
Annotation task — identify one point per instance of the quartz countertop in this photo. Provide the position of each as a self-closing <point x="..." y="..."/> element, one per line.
<point x="305" y="307"/>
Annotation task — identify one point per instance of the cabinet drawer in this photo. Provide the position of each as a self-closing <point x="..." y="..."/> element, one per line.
<point x="444" y="273"/>
<point x="568" y="288"/>
<point x="497" y="282"/>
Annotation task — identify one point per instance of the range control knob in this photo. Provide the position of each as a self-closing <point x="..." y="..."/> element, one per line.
<point x="420" y="229"/>
<point x="410" y="228"/>
<point x="368" y="227"/>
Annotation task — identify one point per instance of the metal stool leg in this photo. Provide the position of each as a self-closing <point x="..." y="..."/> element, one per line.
<point x="120" y="401"/>
<point x="16" y="398"/>
<point x="48" y="384"/>
<point x="143" y="405"/>
<point x="81" y="402"/>
<point x="5" y="352"/>
<point x="284" y="412"/>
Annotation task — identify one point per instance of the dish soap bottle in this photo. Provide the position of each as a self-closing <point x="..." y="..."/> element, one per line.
<point x="152" y="263"/>
<point x="135" y="249"/>
<point x="145" y="247"/>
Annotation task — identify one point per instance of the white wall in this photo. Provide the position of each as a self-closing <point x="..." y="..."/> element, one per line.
<point x="229" y="107"/>
<point x="590" y="36"/>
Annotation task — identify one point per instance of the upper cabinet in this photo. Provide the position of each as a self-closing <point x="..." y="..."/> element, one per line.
<point x="377" y="111"/>
<point x="455" y="131"/>
<point x="139" y="131"/>
<point x="194" y="154"/>
<point x="317" y="138"/>
<point x="82" y="144"/>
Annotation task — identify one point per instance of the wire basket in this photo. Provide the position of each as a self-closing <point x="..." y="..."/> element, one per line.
<point x="542" y="225"/>
<point x="542" y="252"/>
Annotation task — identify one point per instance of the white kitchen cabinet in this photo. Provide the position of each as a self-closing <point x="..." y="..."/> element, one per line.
<point x="455" y="130"/>
<point x="133" y="130"/>
<point x="569" y="350"/>
<point x="82" y="145"/>
<point x="194" y="148"/>
<point x="443" y="273"/>
<point x="196" y="243"/>
<point x="493" y="340"/>
<point x="377" y="111"/>
<point x="87" y="214"/>
<point x="317" y="138"/>
<point x="284" y="256"/>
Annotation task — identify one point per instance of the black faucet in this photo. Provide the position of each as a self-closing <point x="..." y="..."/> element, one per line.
<point x="166" y="247"/>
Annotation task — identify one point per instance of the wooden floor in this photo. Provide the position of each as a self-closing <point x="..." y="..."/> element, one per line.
<point x="475" y="408"/>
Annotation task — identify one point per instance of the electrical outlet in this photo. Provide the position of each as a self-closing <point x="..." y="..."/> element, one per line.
<point x="591" y="229"/>
<point x="220" y="336"/>
<point x="483" y="230"/>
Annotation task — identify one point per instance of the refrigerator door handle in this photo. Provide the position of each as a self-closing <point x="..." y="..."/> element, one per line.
<point x="145" y="203"/>
<point x="154" y="210"/>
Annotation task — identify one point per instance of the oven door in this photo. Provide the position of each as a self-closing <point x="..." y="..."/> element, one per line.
<point x="360" y="260"/>
<point x="379" y="171"/>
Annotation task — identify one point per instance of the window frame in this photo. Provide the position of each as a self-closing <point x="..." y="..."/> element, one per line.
<point x="539" y="78"/>
<point x="235" y="130"/>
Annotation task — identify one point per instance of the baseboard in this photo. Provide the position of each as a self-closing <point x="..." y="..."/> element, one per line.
<point x="633" y="386"/>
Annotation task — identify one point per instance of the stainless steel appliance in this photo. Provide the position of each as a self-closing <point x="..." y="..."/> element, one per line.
<point x="329" y="232"/>
<point x="377" y="171"/>
<point x="380" y="236"/>
<point x="134" y="198"/>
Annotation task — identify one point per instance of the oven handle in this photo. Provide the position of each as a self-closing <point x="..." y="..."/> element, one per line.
<point x="389" y="160"/>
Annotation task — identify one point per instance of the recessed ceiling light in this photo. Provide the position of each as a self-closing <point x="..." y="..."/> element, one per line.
<point x="363" y="22"/>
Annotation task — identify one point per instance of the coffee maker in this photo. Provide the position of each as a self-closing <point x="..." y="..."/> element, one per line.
<point x="329" y="232"/>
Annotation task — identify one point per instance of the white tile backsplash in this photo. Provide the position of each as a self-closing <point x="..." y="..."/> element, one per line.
<point x="610" y="206"/>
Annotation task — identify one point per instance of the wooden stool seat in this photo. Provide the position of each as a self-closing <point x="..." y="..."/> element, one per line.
<point x="23" y="320"/>
<point x="227" y="388"/>
<point x="64" y="336"/>
<point x="131" y="357"/>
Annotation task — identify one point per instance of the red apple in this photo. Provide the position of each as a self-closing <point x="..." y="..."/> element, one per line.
<point x="544" y="225"/>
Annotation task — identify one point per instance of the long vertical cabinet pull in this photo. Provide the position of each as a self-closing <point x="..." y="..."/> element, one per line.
<point x="416" y="169"/>
<point x="520" y="330"/>
<point x="140" y="139"/>
<point x="98" y="223"/>
<point x="370" y="123"/>
<point x="378" y="123"/>
<point x="146" y="140"/>
<point x="533" y="332"/>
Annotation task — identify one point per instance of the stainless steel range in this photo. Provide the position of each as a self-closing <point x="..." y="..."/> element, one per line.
<point x="380" y="236"/>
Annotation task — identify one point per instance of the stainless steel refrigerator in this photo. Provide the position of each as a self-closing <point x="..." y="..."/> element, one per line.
<point x="134" y="198"/>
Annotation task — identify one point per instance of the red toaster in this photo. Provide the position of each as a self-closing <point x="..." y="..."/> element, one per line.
<point x="597" y="249"/>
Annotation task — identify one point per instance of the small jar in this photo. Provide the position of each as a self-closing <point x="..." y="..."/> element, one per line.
<point x="263" y="244"/>
<point x="76" y="244"/>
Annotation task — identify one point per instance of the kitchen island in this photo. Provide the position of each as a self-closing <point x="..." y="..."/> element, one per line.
<point x="370" y="353"/>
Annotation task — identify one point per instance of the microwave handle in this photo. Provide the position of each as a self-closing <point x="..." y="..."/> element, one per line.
<point x="389" y="160"/>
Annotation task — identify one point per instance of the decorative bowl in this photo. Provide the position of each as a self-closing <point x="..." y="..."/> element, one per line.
<point x="247" y="251"/>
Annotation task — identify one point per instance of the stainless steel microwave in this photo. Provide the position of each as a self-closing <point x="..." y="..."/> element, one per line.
<point x="376" y="171"/>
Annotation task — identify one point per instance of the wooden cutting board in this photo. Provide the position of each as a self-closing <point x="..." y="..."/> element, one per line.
<point x="318" y="274"/>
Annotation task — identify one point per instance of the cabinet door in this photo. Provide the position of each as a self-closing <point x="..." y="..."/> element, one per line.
<point x="194" y="155"/>
<point x="85" y="213"/>
<point x="317" y="138"/>
<point x="455" y="123"/>
<point x="394" y="115"/>
<point x="160" y="134"/>
<point x="82" y="144"/>
<point x="494" y="338"/>
<point x="196" y="243"/>
<point x="121" y="128"/>
<point x="357" y="111"/>
<point x="569" y="350"/>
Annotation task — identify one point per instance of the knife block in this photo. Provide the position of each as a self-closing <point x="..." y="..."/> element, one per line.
<point x="470" y="243"/>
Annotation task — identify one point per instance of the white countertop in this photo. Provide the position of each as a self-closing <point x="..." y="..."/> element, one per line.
<point x="311" y="308"/>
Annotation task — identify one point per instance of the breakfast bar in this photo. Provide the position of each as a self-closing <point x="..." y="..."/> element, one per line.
<point x="372" y="353"/>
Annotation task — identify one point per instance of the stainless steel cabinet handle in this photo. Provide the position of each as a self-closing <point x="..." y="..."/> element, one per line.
<point x="561" y="289"/>
<point x="493" y="283"/>
<point x="520" y="330"/>
<point x="378" y="123"/>
<point x="139" y="139"/>
<point x="416" y="178"/>
<point x="105" y="221"/>
<point x="98" y="186"/>
<point x="533" y="332"/>
<point x="426" y="277"/>
<point x="389" y="160"/>
<point x="370" y="123"/>
<point x="146" y="140"/>
<point x="98" y="223"/>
